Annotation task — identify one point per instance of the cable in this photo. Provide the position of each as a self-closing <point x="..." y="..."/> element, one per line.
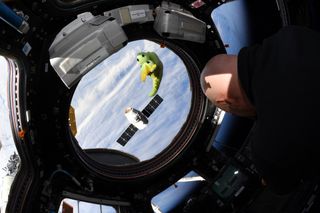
<point x="66" y="173"/>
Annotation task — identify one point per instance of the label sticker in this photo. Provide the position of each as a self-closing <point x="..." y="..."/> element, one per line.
<point x="135" y="14"/>
<point x="26" y="49"/>
<point x="197" y="4"/>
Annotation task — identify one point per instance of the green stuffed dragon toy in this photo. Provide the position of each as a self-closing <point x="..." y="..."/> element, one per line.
<point x="150" y="66"/>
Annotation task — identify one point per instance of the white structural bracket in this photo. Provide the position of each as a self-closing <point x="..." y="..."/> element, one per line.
<point x="83" y="44"/>
<point x="174" y="22"/>
<point x="132" y="14"/>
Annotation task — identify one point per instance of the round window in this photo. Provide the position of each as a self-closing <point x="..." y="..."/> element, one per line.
<point x="113" y="108"/>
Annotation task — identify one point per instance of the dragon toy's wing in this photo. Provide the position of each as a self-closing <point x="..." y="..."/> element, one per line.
<point x="146" y="69"/>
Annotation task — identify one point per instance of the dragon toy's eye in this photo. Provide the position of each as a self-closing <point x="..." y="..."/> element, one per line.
<point x="137" y="59"/>
<point x="148" y="62"/>
<point x="142" y="55"/>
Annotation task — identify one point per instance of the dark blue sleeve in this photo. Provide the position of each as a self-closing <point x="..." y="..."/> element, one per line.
<point x="281" y="78"/>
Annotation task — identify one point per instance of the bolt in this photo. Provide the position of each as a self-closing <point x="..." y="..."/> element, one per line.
<point x="215" y="168"/>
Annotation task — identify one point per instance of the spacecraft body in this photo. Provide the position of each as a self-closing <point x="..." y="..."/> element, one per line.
<point x="136" y="118"/>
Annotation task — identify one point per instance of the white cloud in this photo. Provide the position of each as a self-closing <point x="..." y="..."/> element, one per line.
<point x="6" y="139"/>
